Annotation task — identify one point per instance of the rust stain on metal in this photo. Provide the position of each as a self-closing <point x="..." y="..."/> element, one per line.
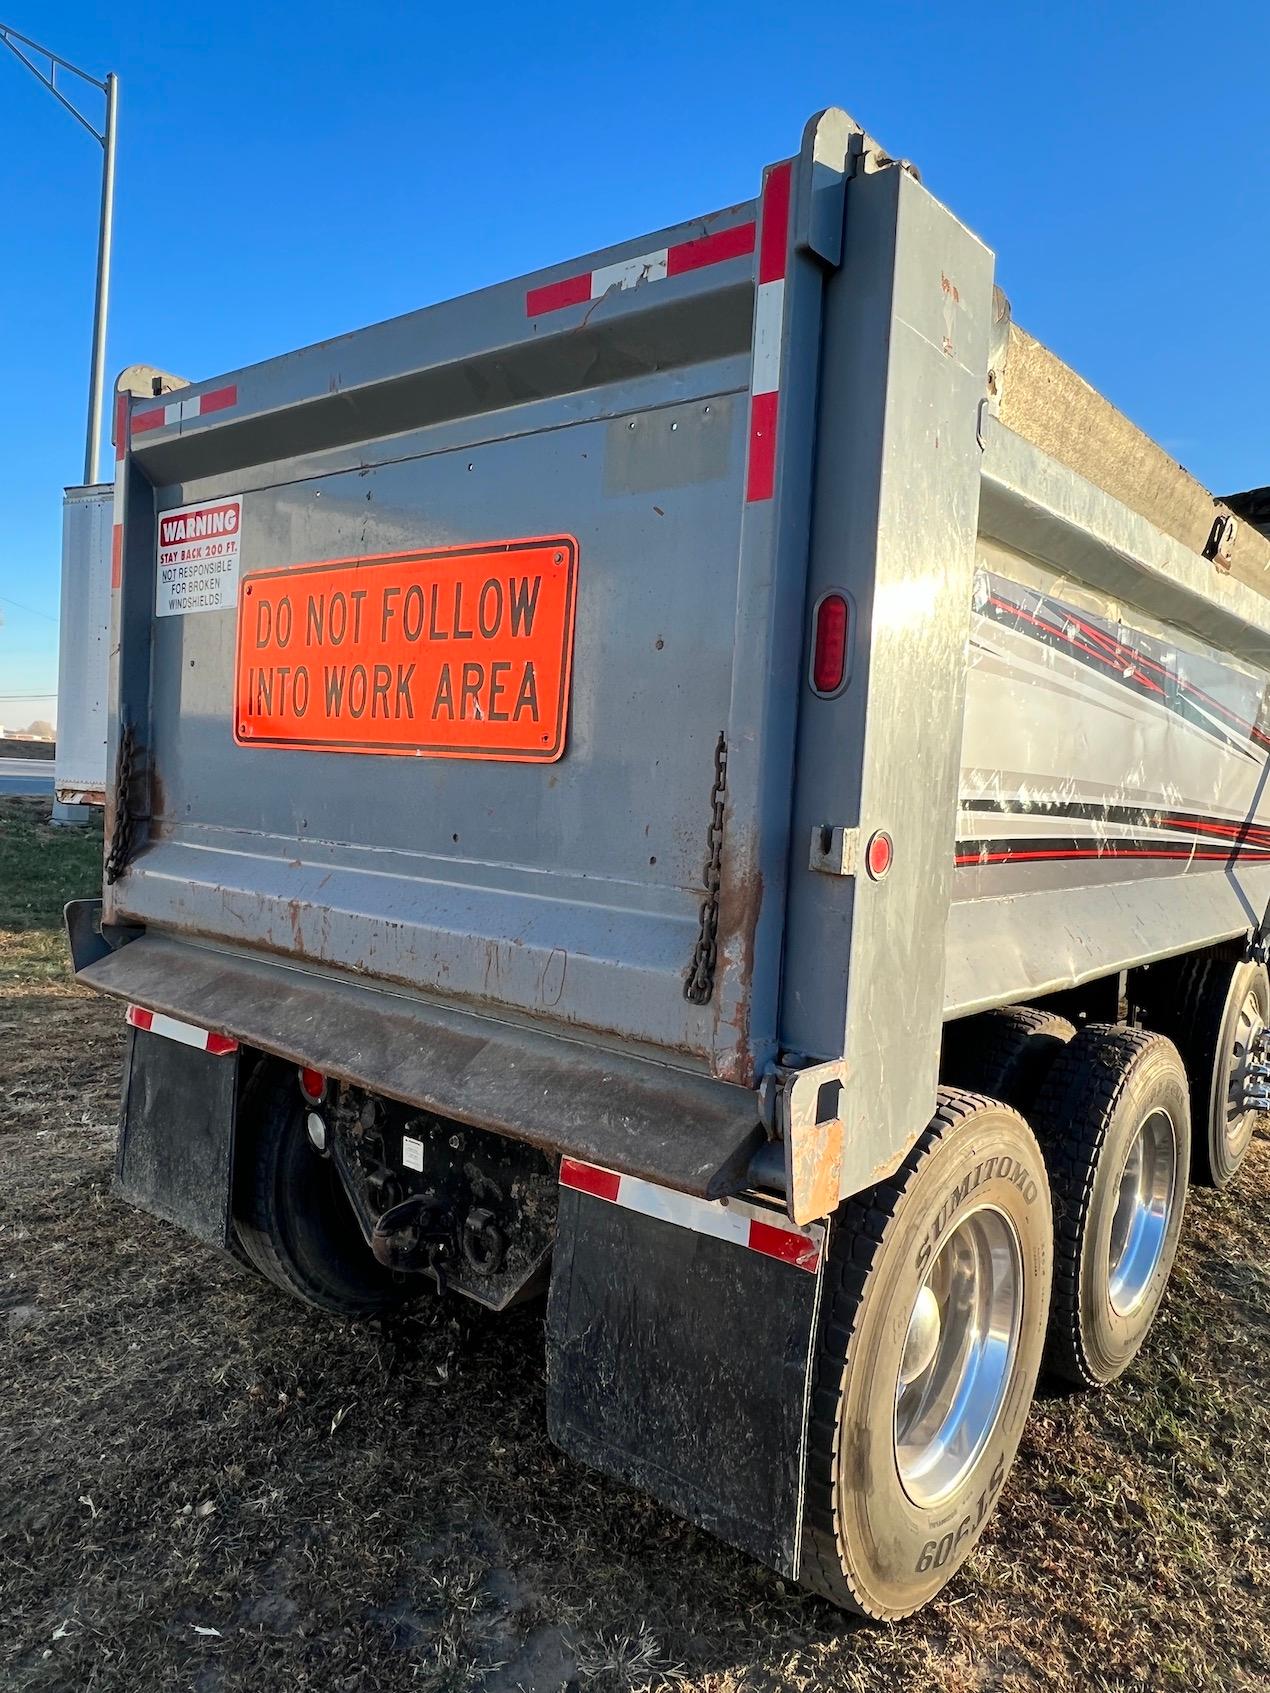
<point x="314" y="947"/>
<point x="816" y="1169"/>
<point x="740" y="902"/>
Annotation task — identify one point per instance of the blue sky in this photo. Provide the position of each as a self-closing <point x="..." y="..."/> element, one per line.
<point x="287" y="172"/>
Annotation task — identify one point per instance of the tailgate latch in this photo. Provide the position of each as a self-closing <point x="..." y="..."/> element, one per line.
<point x="835" y="851"/>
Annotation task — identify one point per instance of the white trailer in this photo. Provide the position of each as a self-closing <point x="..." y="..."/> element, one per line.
<point x="83" y="661"/>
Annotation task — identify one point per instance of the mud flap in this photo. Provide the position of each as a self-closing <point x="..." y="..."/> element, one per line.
<point x="679" y="1361"/>
<point x="176" y="1134"/>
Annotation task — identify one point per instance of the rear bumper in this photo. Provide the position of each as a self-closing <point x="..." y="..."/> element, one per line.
<point x="627" y="1114"/>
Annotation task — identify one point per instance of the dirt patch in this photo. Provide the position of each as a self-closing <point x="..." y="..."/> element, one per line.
<point x="205" y="1487"/>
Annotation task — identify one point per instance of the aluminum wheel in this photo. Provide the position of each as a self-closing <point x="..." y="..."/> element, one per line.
<point x="1144" y="1204"/>
<point x="1238" y="1120"/>
<point x="958" y="1355"/>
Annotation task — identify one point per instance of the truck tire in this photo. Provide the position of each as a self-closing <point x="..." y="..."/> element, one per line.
<point x="1005" y="1054"/>
<point x="1114" y="1120"/>
<point x="936" y="1290"/>
<point x="1215" y="1015"/>
<point x="294" y="1221"/>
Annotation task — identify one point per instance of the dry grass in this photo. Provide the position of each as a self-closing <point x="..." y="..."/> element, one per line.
<point x="205" y="1487"/>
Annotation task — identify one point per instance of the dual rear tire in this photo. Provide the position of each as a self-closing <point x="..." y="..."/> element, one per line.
<point x="1113" y="1118"/>
<point x="996" y="1248"/>
<point x="292" y="1218"/>
<point x="934" y="1312"/>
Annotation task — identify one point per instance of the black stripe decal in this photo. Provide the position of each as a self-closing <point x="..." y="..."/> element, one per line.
<point x="1031" y="850"/>
<point x="1222" y="839"/>
<point x="1131" y="816"/>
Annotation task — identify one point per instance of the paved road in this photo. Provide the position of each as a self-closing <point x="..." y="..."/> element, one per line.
<point x="26" y="776"/>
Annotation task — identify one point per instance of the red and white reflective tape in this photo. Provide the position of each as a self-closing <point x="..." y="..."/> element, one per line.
<point x="122" y="412"/>
<point x="769" y="314"/>
<point x="182" y="411"/>
<point x="725" y="1219"/>
<point x="677" y="260"/>
<point x="155" y="1023"/>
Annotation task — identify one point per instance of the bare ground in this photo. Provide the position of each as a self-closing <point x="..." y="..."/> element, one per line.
<point x="205" y="1487"/>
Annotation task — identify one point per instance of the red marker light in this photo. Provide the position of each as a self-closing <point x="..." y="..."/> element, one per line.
<point x="878" y="854"/>
<point x="829" y="653"/>
<point x="312" y="1085"/>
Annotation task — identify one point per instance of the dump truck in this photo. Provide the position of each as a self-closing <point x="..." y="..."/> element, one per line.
<point x="719" y="784"/>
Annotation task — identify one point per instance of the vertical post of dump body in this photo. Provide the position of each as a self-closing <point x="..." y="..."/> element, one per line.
<point x="904" y="368"/>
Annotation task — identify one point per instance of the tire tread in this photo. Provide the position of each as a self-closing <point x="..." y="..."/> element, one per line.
<point x="1006" y="1054"/>
<point x="1072" y="1117"/>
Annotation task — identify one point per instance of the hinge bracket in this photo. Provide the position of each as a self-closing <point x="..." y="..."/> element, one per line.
<point x="800" y="1103"/>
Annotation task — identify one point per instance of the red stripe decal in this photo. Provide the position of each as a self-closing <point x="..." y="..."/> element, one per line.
<point x="1128" y="657"/>
<point x="139" y="1017"/>
<point x="775" y="236"/>
<point x="552" y="296"/>
<point x="710" y="249"/>
<point x="969" y="860"/>
<point x="761" y="479"/>
<point x="218" y="400"/>
<point x="1255" y="834"/>
<point x="791" y="1248"/>
<point x="587" y="1178"/>
<point x="145" y="420"/>
<point x="1117" y="666"/>
<point x="116" y="556"/>
<point x="221" y="1043"/>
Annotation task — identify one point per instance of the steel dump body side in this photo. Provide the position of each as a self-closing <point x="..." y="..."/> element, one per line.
<point x="1113" y="798"/>
<point x="729" y="419"/>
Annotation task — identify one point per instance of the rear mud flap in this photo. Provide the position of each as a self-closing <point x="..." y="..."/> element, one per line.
<point x="679" y="1360"/>
<point x="176" y="1134"/>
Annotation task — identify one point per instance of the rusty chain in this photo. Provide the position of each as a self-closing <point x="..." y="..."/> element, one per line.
<point x="699" y="985"/>
<point x="121" y="833"/>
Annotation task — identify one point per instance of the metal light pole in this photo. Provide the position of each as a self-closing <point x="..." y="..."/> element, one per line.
<point x="16" y="42"/>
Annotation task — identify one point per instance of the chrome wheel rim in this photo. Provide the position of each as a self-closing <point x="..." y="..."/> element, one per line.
<point x="1237" y="1119"/>
<point x="1144" y="1204"/>
<point x="958" y="1357"/>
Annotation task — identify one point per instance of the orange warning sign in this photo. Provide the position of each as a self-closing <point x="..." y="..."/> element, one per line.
<point x="463" y="653"/>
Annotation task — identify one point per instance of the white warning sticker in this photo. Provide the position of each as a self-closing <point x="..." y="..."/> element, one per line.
<point x="198" y="557"/>
<point x="411" y="1152"/>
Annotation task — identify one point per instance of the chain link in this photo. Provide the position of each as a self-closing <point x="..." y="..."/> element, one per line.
<point x="699" y="984"/>
<point x="121" y="835"/>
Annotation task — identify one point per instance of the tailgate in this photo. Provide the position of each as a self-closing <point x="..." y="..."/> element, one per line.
<point x="447" y="650"/>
